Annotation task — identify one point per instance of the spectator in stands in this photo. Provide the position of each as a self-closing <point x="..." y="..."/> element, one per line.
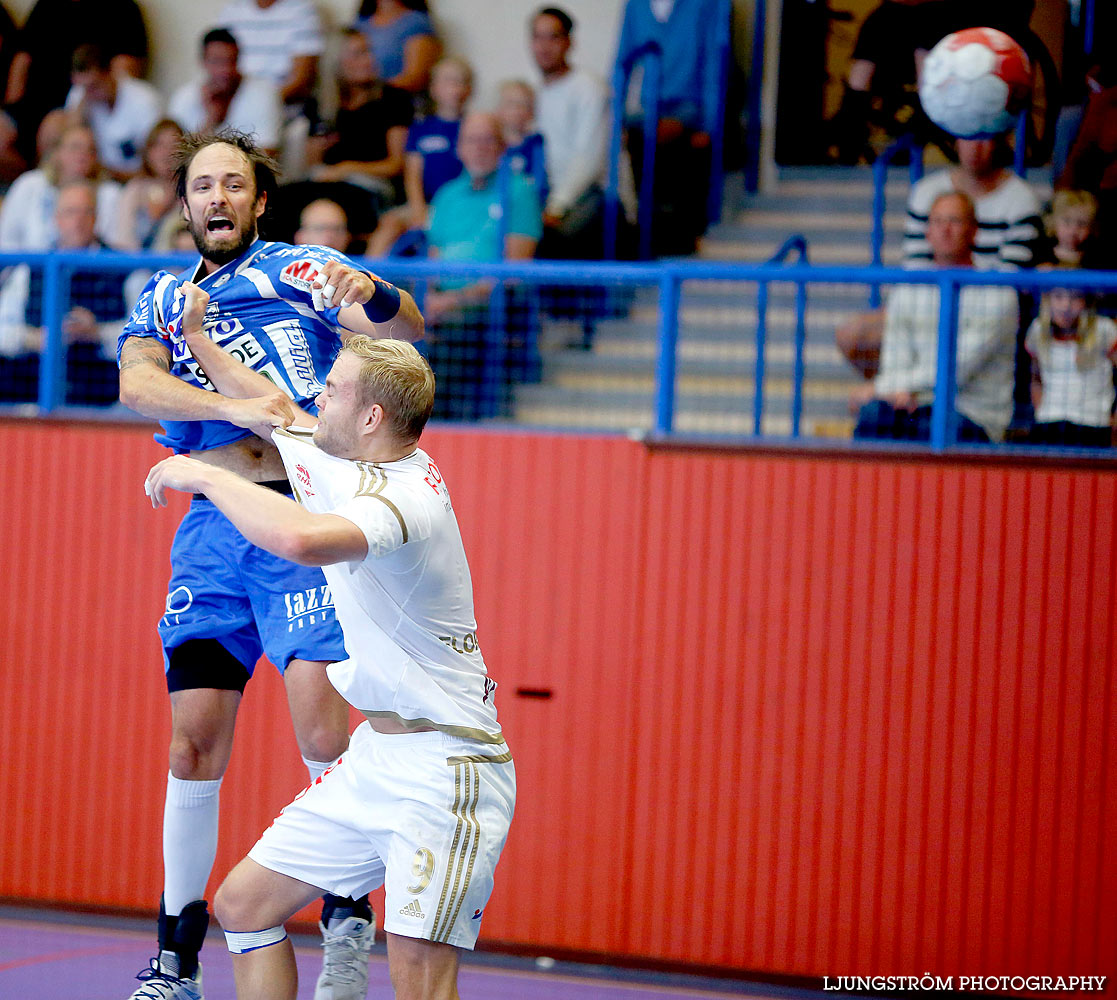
<point x="891" y="45"/>
<point x="12" y="161"/>
<point x="1008" y="229"/>
<point x="366" y="145"/>
<point x="1070" y="234"/>
<point x="686" y="33"/>
<point x="323" y="223"/>
<point x="223" y="96"/>
<point x="121" y="110"/>
<point x="280" y="41"/>
<point x="988" y="317"/>
<point x="149" y="197"/>
<point x="1092" y="163"/>
<point x="91" y="325"/>
<point x="39" y="78"/>
<point x="27" y="216"/>
<point x="430" y="154"/>
<point x="572" y="114"/>
<point x="523" y="146"/>
<point x="478" y="216"/>
<point x="1073" y="352"/>
<point x="403" y="42"/>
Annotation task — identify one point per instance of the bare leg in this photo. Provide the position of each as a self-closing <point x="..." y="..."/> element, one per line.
<point x="422" y="970"/>
<point x="319" y="714"/>
<point x="202" y="724"/>
<point x="255" y="898"/>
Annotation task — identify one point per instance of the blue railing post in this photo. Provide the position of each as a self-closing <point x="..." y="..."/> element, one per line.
<point x="761" y="340"/>
<point x="717" y="135"/>
<point x="1019" y="155"/>
<point x="799" y="369"/>
<point x="650" y="54"/>
<point x="753" y="100"/>
<point x="52" y="359"/>
<point x="880" y="182"/>
<point x="943" y="422"/>
<point x="667" y="351"/>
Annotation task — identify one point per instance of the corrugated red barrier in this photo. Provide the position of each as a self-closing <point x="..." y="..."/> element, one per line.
<point x="806" y="715"/>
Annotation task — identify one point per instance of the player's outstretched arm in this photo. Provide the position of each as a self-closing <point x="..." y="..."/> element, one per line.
<point x="368" y="304"/>
<point x="264" y="517"/>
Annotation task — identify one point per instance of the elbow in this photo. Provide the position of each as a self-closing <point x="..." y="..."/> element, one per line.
<point x="300" y="547"/>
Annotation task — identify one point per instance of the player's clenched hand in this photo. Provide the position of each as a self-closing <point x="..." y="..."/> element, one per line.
<point x="176" y="473"/>
<point x="193" y="308"/>
<point x="262" y="414"/>
<point x="343" y="285"/>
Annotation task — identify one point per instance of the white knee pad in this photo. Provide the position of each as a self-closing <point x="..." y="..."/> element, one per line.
<point x="240" y="942"/>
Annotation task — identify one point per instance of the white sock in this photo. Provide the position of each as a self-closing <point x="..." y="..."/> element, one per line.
<point x="318" y="767"/>
<point x="189" y="840"/>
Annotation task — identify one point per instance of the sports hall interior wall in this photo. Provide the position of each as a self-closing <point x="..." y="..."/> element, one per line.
<point x="785" y="713"/>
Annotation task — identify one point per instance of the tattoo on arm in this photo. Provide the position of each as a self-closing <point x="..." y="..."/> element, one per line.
<point x="140" y="351"/>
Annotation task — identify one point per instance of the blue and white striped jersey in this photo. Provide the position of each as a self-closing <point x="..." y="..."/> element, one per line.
<point x="262" y="310"/>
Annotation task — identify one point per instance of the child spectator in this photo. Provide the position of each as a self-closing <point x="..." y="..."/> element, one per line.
<point x="431" y="153"/>
<point x="149" y="196"/>
<point x="1070" y="230"/>
<point x="1073" y="352"/>
<point x="523" y="145"/>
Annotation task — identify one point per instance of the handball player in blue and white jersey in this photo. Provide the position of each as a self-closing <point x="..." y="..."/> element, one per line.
<point x="284" y="311"/>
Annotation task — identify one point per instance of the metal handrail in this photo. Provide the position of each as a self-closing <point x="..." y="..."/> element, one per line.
<point x="667" y="276"/>
<point x="906" y="143"/>
<point x="650" y="54"/>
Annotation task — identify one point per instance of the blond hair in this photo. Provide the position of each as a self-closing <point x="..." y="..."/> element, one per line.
<point x="397" y="377"/>
<point x="455" y="63"/>
<point x="1064" y="201"/>
<point x="1085" y="332"/>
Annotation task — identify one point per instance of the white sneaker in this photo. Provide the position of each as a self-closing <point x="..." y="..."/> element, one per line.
<point x="161" y="981"/>
<point x="344" y="973"/>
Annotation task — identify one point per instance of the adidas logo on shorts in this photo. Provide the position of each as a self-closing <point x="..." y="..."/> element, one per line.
<point x="413" y="909"/>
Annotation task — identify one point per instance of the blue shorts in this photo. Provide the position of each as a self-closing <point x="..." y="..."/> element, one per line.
<point x="225" y="588"/>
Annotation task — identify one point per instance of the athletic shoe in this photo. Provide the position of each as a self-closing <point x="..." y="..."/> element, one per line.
<point x="161" y="981"/>
<point x="344" y="973"/>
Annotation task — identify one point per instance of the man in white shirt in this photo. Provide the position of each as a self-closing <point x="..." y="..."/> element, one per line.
<point x="120" y="109"/>
<point x="988" y="317"/>
<point x="422" y="800"/>
<point x="572" y="114"/>
<point x="280" y="41"/>
<point x="223" y="97"/>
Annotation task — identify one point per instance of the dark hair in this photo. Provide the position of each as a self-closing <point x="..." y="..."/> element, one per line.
<point x="161" y="126"/>
<point x="559" y="15"/>
<point x="222" y="35"/>
<point x="264" y="169"/>
<point x="89" y="56"/>
<point x="368" y="7"/>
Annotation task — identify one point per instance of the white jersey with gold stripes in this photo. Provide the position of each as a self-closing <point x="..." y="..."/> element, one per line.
<point x="407" y="608"/>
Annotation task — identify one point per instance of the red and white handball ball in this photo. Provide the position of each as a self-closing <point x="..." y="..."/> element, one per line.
<point x="975" y="82"/>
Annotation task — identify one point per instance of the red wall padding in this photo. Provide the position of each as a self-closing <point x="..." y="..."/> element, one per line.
<point x="812" y="716"/>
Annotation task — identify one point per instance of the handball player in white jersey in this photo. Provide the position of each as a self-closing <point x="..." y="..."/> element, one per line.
<point x="286" y="310"/>
<point x="422" y="800"/>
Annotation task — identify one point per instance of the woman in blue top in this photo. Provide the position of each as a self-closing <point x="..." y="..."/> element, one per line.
<point x="401" y="36"/>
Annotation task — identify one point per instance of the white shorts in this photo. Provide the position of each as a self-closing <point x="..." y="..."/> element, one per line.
<point x="423" y="814"/>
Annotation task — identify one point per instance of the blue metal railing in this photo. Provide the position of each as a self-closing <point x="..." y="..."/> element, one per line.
<point x="906" y="143"/>
<point x="652" y="58"/>
<point x="754" y="98"/>
<point x="718" y="84"/>
<point x="668" y="278"/>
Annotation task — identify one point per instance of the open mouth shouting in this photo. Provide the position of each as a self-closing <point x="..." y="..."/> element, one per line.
<point x="219" y="224"/>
